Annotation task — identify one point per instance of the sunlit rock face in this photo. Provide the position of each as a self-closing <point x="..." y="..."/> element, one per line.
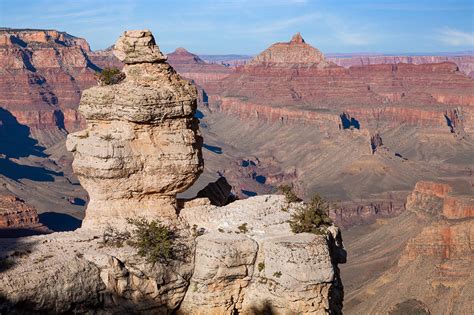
<point x="142" y="145"/>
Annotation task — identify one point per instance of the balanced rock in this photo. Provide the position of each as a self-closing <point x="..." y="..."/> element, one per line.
<point x="142" y="145"/>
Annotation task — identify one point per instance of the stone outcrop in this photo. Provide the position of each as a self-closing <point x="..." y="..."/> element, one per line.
<point x="437" y="199"/>
<point x="140" y="148"/>
<point x="430" y="255"/>
<point x="375" y="142"/>
<point x="219" y="193"/>
<point x="447" y="240"/>
<point x="262" y="266"/>
<point x="15" y="213"/>
<point x="455" y="122"/>
<point x="17" y="218"/>
<point x="230" y="269"/>
<point x="142" y="145"/>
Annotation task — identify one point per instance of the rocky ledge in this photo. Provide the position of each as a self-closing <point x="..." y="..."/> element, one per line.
<point x="228" y="270"/>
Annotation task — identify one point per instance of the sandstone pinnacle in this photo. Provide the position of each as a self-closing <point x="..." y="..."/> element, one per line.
<point x="142" y="145"/>
<point x="285" y="54"/>
<point x="138" y="47"/>
<point x="297" y="39"/>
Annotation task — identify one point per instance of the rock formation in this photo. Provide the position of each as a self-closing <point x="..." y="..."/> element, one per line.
<point x="231" y="270"/>
<point x="45" y="72"/>
<point x="194" y="68"/>
<point x="141" y="146"/>
<point x="15" y="213"/>
<point x="433" y="255"/>
<point x="454" y="119"/>
<point x="18" y="218"/>
<point x="293" y="82"/>
<point x="375" y="142"/>
<point x="465" y="63"/>
<point x="263" y="266"/>
<point x="296" y="51"/>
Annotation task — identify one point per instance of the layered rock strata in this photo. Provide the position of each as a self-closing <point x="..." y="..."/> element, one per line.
<point x="142" y="145"/>
<point x="194" y="68"/>
<point x="43" y="74"/>
<point x="17" y="218"/>
<point x="293" y="82"/>
<point x="431" y="251"/>
<point x="465" y="63"/>
<point x="14" y="213"/>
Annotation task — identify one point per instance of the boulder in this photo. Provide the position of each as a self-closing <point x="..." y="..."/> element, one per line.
<point x="142" y="145"/>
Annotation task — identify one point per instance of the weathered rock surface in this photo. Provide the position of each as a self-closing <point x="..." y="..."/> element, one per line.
<point x="229" y="270"/>
<point x="15" y="213"/>
<point x="141" y="146"/>
<point x="43" y="74"/>
<point x="249" y="241"/>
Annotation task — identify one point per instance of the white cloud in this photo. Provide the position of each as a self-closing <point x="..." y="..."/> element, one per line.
<point x="455" y="37"/>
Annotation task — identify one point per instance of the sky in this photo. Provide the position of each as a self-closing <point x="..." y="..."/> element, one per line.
<point x="250" y="26"/>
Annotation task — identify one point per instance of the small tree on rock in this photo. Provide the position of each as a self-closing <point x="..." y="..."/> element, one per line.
<point x="312" y="217"/>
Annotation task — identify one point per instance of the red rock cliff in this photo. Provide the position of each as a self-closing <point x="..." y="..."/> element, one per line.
<point x="43" y="74"/>
<point x="294" y="76"/>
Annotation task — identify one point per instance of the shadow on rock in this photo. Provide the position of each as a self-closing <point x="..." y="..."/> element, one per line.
<point x="11" y="250"/>
<point x="265" y="309"/>
<point x="16" y="141"/>
<point x="59" y="222"/>
<point x="212" y="148"/>
<point x="16" y="172"/>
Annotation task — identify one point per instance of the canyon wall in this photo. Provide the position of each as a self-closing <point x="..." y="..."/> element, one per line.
<point x="43" y="74"/>
<point x="279" y="84"/>
<point x="465" y="63"/>
<point x="434" y="260"/>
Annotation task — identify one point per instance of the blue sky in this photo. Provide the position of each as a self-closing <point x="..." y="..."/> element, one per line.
<point x="249" y="26"/>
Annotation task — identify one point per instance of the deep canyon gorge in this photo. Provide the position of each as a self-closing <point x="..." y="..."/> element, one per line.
<point x="388" y="141"/>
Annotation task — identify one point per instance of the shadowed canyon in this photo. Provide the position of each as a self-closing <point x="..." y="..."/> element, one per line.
<point x="388" y="141"/>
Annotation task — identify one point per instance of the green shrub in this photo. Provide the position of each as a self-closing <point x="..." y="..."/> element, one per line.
<point x="312" y="217"/>
<point x="243" y="228"/>
<point x="287" y="191"/>
<point x="261" y="266"/>
<point x="277" y="274"/>
<point x="152" y="240"/>
<point x="109" y="76"/>
<point x="6" y="263"/>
